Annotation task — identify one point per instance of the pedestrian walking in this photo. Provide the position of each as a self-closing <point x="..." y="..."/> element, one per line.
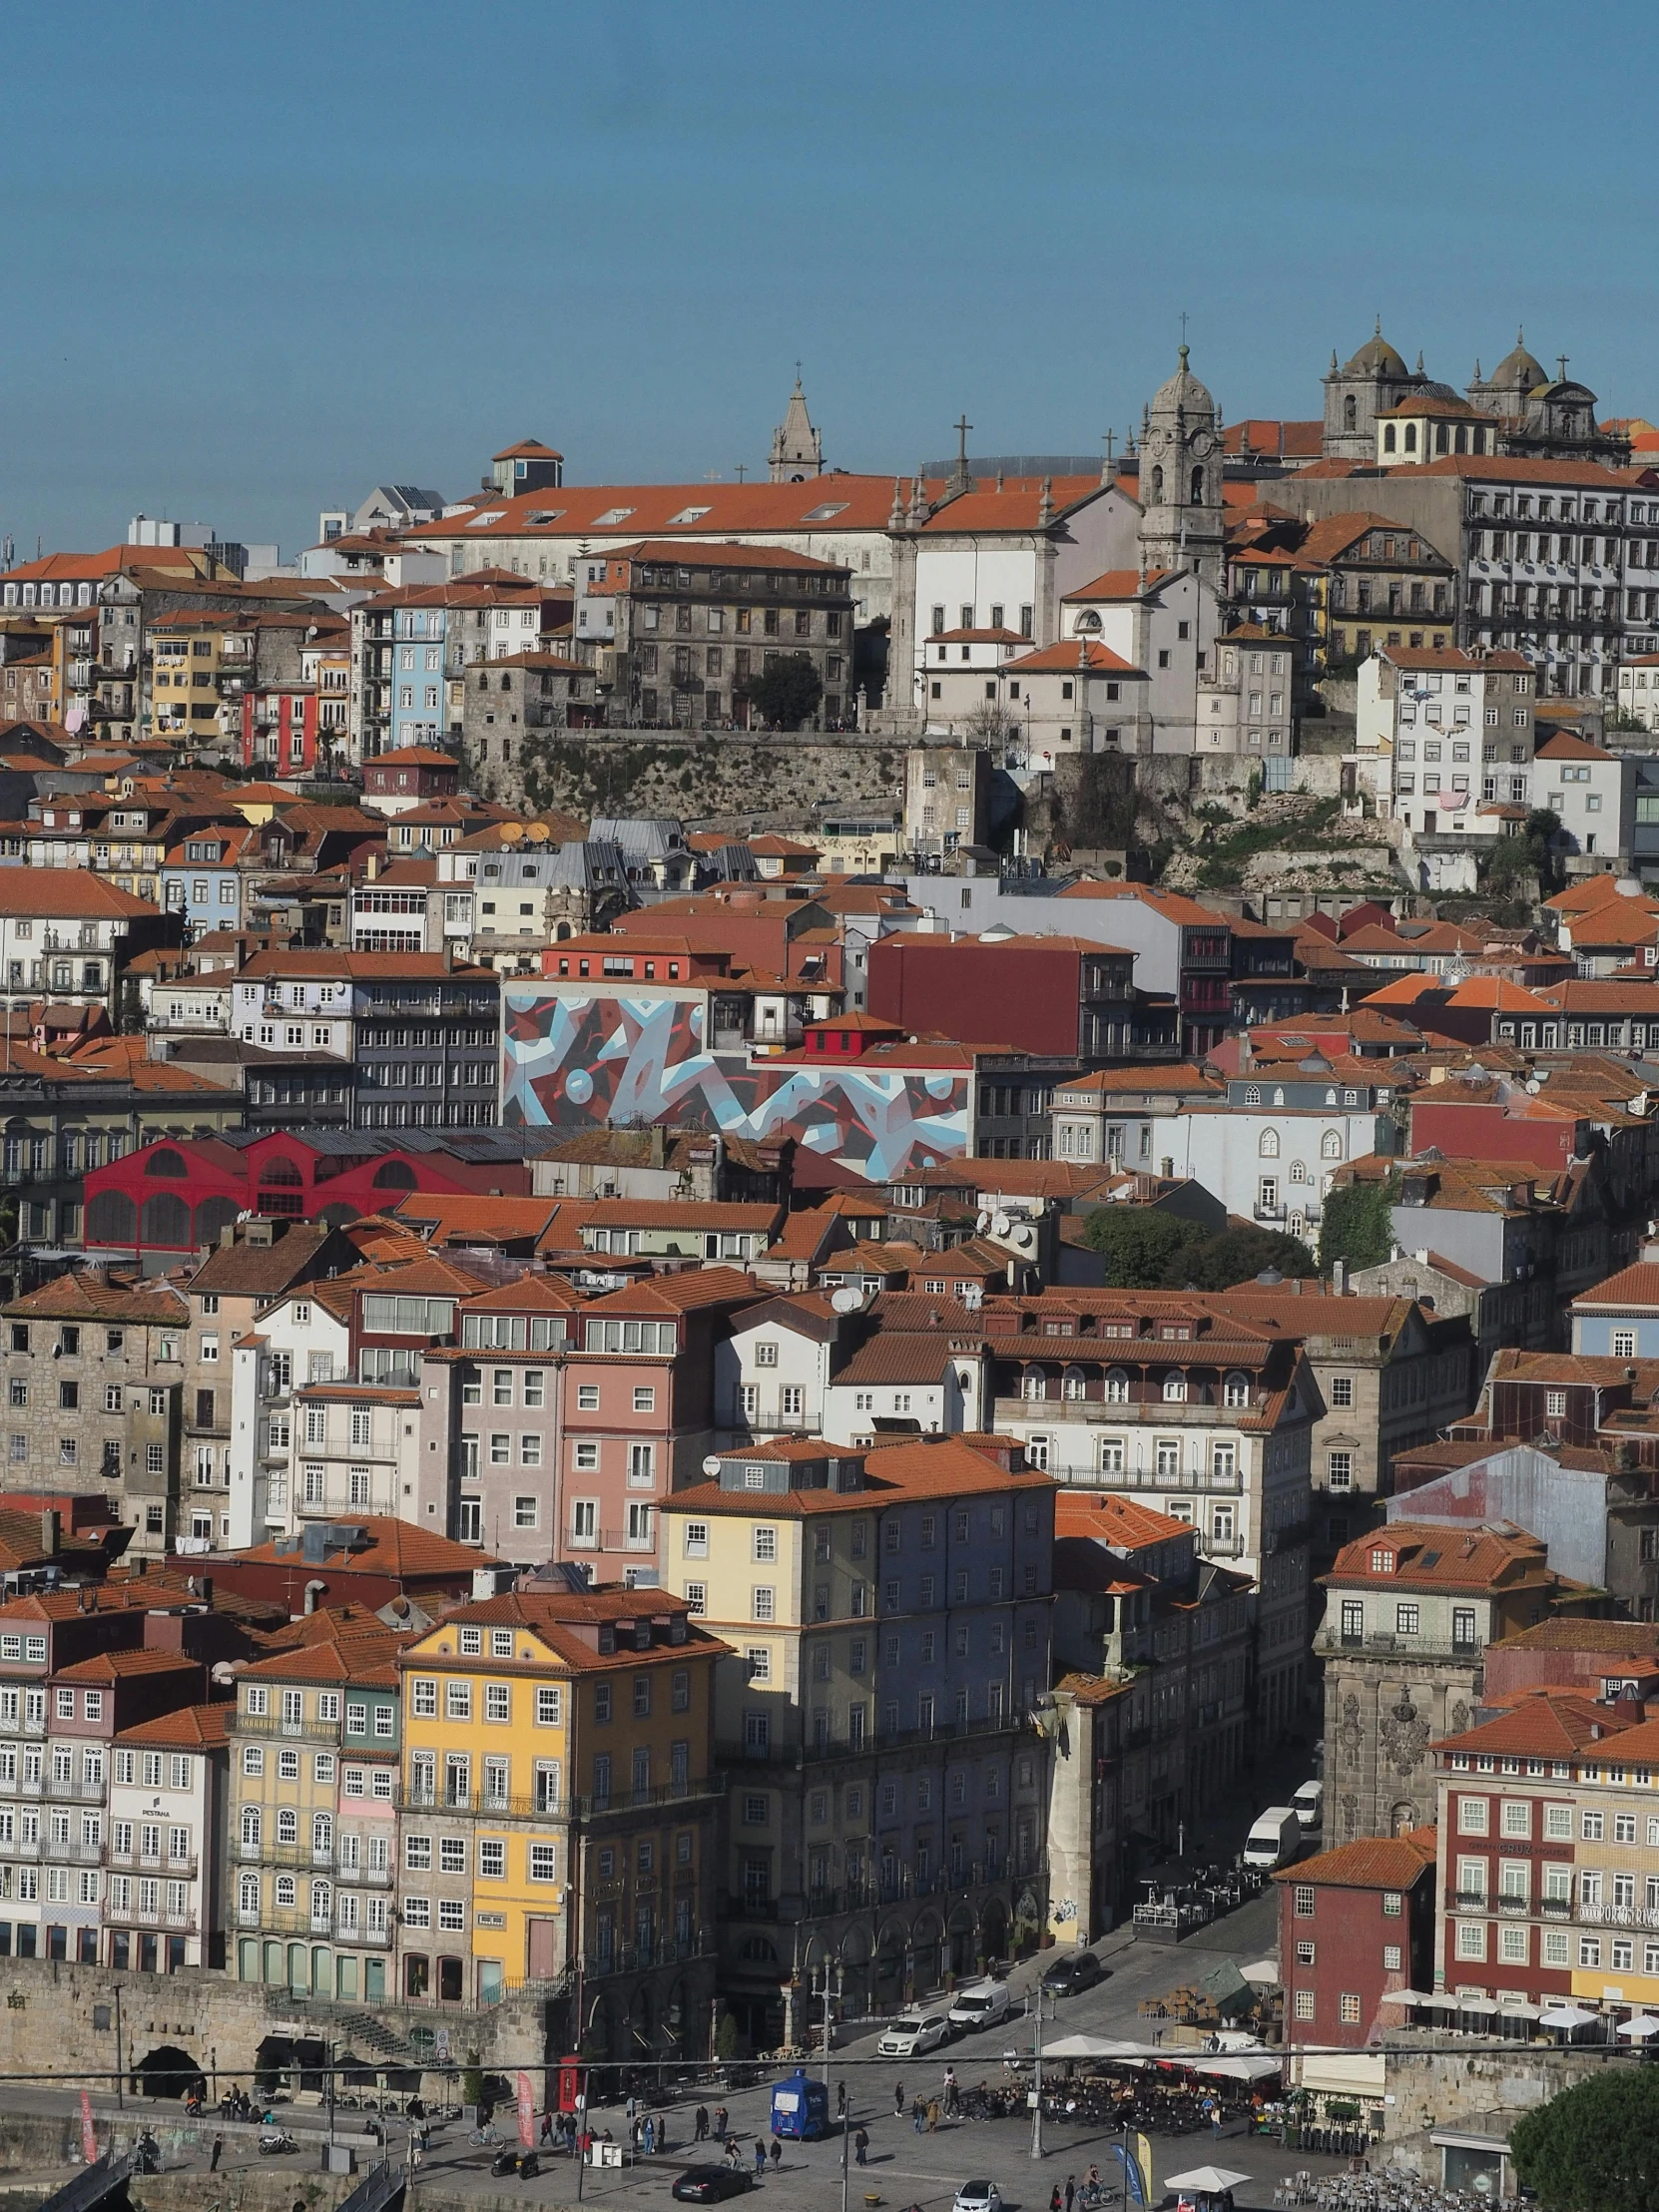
<point x="1054" y="2198"/>
<point x="701" y="2135"/>
<point x="547" y="2127"/>
<point x="777" y="2152"/>
<point x="860" y="2144"/>
<point x="759" y="2156"/>
<point x="1071" y="2191"/>
<point x="899" y="2100"/>
<point x="721" y="2117"/>
<point x="647" y="2137"/>
<point x="950" y="2100"/>
<point x="841" y="2100"/>
<point x="933" y="2117"/>
<point x="918" y="2114"/>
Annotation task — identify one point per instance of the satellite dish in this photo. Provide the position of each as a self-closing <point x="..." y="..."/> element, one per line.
<point x="711" y="1465"/>
<point x="511" y="832"/>
<point x="1024" y="1239"/>
<point x="537" y="833"/>
<point x="848" y="1299"/>
<point x="1000" y="1223"/>
<point x="983" y="1223"/>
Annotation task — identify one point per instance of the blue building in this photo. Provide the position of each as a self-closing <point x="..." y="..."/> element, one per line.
<point x="1619" y="1319"/>
<point x="202" y="878"/>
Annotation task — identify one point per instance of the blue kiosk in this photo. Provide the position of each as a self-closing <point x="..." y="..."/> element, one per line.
<point x="800" y="2108"/>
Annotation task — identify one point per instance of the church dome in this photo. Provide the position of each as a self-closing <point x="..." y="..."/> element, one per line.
<point x="1377" y="357"/>
<point x="1183" y="390"/>
<point x="1519" y="368"/>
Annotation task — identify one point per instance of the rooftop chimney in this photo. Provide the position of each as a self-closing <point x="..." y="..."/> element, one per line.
<point x="50" y="1530"/>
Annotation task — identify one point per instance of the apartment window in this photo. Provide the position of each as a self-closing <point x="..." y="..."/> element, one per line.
<point x="1338" y="1467"/>
<point x="1341" y="1390"/>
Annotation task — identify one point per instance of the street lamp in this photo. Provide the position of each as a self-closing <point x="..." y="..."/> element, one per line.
<point x="1037" y="2082"/>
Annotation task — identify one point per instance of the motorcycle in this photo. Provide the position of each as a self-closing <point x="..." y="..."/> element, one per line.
<point x="508" y="2162"/>
<point x="273" y="2145"/>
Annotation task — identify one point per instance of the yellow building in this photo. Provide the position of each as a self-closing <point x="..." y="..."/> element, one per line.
<point x="313" y="1824"/>
<point x="559" y="1810"/>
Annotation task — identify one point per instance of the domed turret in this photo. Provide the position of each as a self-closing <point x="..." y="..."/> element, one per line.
<point x="1182" y="524"/>
<point x="1519" y="370"/>
<point x="1377" y="357"/>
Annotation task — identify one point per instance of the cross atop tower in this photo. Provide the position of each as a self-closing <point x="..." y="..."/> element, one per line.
<point x="1561" y="365"/>
<point x="1183" y="325"/>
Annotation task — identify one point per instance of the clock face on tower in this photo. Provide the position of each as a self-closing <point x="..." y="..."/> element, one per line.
<point x="1203" y="445"/>
<point x="1156" y="444"/>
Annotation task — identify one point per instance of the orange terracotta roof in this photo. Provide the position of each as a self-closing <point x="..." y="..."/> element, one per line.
<point x="1373" y="1862"/>
<point x="190" y="1728"/>
<point x="1072" y="654"/>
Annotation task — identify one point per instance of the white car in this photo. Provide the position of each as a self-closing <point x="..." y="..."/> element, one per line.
<point x="978" y="2196"/>
<point x="909" y="2038"/>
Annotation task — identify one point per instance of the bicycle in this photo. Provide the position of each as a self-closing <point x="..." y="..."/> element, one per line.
<point x="486" y="2137"/>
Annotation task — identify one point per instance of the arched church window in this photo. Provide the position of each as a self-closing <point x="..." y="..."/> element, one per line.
<point x="1198" y="488"/>
<point x="1156" y="485"/>
<point x="1350" y="413"/>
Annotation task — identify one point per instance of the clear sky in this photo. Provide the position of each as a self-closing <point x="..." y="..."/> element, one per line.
<point x="259" y="257"/>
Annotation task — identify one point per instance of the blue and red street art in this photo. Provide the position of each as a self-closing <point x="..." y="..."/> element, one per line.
<point x="602" y="1062"/>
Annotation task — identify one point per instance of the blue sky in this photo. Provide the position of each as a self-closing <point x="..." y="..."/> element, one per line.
<point x="256" y="259"/>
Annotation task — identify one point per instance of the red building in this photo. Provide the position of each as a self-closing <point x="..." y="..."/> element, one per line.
<point x="1354" y="1923"/>
<point x="174" y="1197"/>
<point x="407" y="775"/>
<point x="1061" y="997"/>
<point x="278" y="731"/>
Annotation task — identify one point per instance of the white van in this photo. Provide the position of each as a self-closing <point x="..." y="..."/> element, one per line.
<point x="1274" y="1838"/>
<point x="1310" y="1804"/>
<point x="981" y="2007"/>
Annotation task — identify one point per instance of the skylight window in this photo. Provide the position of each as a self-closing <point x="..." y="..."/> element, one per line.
<point x="685" y="514"/>
<point x="539" y="516"/>
<point x="489" y="515"/>
<point x="610" y="517"/>
<point x="827" y="512"/>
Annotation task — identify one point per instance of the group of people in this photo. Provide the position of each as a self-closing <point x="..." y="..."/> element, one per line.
<point x="1074" y="2197"/>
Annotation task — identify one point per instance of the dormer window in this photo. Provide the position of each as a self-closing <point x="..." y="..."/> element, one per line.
<point x="1381" y="1562"/>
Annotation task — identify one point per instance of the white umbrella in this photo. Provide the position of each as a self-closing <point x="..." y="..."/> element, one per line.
<point x="1404" y="1997"/>
<point x="1639" y="2026"/>
<point x="1477" y="2004"/>
<point x="1565" y="2015"/>
<point x="1264" y="1972"/>
<point x="1244" y="2067"/>
<point x="1208" y="2181"/>
<point x="1087" y="2047"/>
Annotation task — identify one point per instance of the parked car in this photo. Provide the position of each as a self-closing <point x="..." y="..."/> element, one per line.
<point x="909" y="2038"/>
<point x="1079" y="1969"/>
<point x="982" y="2007"/>
<point x="978" y="2196"/>
<point x="710" y="2184"/>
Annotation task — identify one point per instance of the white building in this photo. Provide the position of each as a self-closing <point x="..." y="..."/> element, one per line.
<point x="302" y="1338"/>
<point x="1165" y="622"/>
<point x="166" y="1842"/>
<point x="1640" y="689"/>
<point x="1439" y="733"/>
<point x="1594" y="796"/>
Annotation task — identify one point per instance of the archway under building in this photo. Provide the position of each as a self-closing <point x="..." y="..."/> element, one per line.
<point x="961" y="1935"/>
<point x="993" y="1928"/>
<point x="165" y="2071"/>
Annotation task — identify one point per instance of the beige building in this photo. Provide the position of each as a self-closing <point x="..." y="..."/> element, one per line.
<point x="95" y="1370"/>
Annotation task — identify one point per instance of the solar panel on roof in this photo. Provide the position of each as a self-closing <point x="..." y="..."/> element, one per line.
<point x="1430" y="1558"/>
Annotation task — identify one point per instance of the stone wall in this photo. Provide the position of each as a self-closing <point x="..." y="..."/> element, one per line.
<point x="719" y="779"/>
<point x="1433" y="2087"/>
<point x="60" y="2016"/>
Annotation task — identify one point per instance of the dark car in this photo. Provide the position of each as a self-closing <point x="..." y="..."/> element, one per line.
<point x="708" y="2184"/>
<point x="1079" y="1972"/>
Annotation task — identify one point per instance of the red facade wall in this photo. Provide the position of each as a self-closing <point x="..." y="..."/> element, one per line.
<point x="1350" y="1935"/>
<point x="982" y="994"/>
<point x="1480" y="1131"/>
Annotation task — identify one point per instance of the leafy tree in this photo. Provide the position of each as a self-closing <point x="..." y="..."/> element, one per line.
<point x="786" y="694"/>
<point x="727" y="2037"/>
<point x="1357" y="1223"/>
<point x="1137" y="1244"/>
<point x="1591" y="2150"/>
<point x="1235" y="1256"/>
<point x="472" y="2080"/>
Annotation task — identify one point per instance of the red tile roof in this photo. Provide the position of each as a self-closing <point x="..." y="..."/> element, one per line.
<point x="1373" y="1862"/>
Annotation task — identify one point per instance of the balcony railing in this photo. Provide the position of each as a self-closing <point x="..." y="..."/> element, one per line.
<point x="274" y="1724"/>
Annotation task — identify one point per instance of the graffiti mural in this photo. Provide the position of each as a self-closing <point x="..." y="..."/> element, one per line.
<point x="588" y="1063"/>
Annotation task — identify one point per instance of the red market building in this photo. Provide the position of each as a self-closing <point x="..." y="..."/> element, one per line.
<point x="1060" y="997"/>
<point x="171" y="1197"/>
<point x="1354" y="1923"/>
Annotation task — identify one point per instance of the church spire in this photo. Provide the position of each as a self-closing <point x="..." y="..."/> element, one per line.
<point x="797" y="448"/>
